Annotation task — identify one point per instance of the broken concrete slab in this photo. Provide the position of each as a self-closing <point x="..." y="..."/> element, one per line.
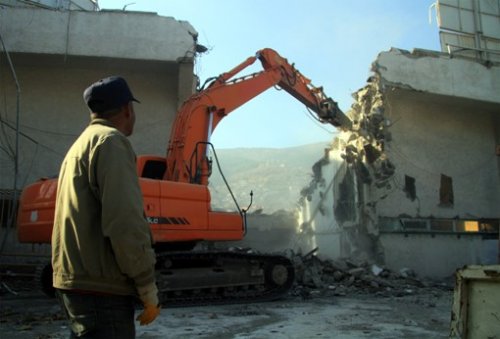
<point x="97" y="34"/>
<point x="438" y="73"/>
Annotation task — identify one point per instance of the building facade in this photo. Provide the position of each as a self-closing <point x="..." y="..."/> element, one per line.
<point x="416" y="184"/>
<point x="49" y="55"/>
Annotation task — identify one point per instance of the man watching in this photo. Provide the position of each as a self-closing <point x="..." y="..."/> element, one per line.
<point x="102" y="254"/>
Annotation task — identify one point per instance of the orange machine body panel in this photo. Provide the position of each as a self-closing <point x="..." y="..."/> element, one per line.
<point x="36" y="212"/>
<point x="176" y="211"/>
<point x="180" y="211"/>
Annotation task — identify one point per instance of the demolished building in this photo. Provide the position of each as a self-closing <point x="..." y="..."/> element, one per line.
<point x="417" y="183"/>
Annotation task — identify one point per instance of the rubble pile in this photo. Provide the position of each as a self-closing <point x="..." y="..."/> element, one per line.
<point x="344" y="277"/>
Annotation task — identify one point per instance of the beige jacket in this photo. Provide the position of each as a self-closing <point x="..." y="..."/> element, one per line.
<point x="101" y="241"/>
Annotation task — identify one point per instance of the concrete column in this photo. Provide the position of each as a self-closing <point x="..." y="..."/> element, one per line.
<point x="186" y="84"/>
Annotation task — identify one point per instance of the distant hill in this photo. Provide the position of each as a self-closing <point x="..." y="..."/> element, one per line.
<point x="275" y="175"/>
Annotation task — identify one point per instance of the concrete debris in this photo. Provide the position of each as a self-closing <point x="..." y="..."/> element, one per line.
<point x="366" y="143"/>
<point x="406" y="272"/>
<point x="376" y="270"/>
<point x="317" y="277"/>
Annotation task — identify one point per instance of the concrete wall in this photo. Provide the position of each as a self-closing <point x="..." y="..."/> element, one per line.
<point x="106" y="34"/>
<point x="442" y="116"/>
<point x="431" y="136"/>
<point x="438" y="255"/>
<point x="317" y="224"/>
<point x="438" y="73"/>
<point x="88" y="5"/>
<point x="52" y="111"/>
<point x="56" y="55"/>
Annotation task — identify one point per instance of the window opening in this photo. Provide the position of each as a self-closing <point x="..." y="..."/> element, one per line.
<point x="446" y="191"/>
<point x="410" y="189"/>
<point x="345" y="207"/>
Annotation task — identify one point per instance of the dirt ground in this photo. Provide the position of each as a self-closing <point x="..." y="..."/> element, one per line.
<point x="423" y="313"/>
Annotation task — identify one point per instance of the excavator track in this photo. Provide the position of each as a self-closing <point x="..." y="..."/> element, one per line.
<point x="215" y="277"/>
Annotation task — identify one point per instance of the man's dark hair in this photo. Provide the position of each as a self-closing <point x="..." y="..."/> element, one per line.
<point x="106" y="114"/>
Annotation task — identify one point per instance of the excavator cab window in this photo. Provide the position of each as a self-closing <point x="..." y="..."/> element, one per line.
<point x="154" y="169"/>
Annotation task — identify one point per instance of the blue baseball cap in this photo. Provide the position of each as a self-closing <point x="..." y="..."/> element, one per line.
<point x="107" y="94"/>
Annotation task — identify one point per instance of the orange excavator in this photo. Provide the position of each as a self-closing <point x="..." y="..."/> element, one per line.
<point x="177" y="198"/>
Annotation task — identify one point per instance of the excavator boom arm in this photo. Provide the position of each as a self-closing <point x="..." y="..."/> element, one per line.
<point x="202" y="112"/>
<point x="300" y="87"/>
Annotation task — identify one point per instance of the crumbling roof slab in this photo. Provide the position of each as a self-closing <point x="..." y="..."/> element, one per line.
<point x="438" y="73"/>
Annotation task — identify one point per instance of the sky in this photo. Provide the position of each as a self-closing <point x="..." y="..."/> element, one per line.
<point x="331" y="42"/>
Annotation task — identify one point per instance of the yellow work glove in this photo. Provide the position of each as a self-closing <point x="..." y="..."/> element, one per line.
<point x="148" y="315"/>
<point x="149" y="297"/>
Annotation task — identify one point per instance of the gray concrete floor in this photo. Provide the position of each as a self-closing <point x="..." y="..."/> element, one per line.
<point x="424" y="314"/>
